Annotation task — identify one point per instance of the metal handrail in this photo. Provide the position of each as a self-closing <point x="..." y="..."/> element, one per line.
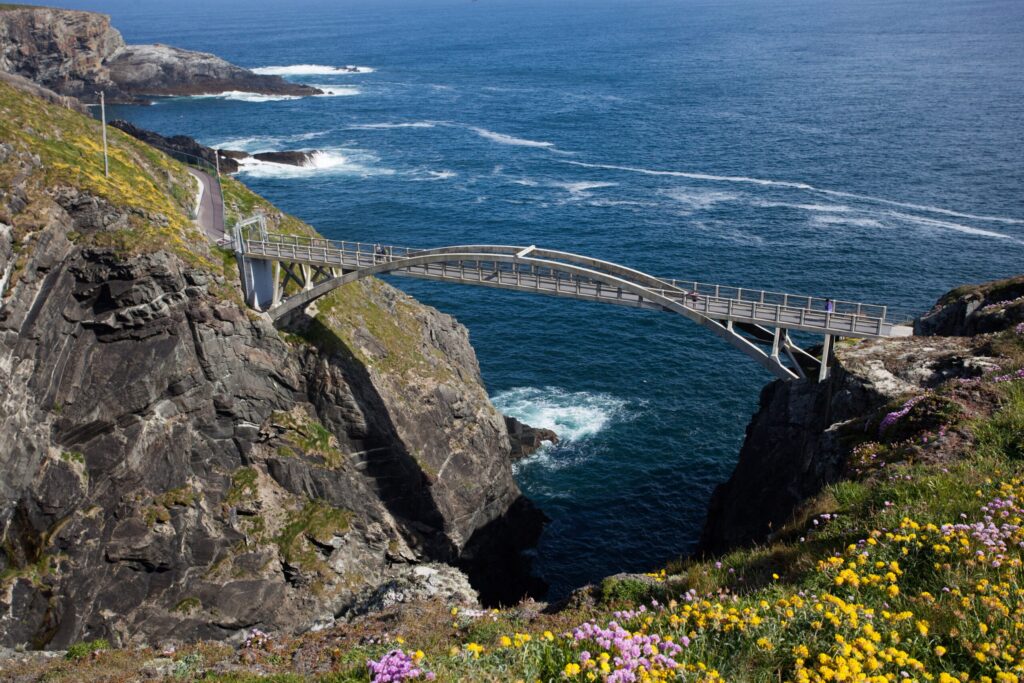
<point x="361" y="254"/>
<point x="702" y="288"/>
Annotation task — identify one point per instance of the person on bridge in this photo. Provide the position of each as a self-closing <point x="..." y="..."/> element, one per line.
<point x="380" y="255"/>
<point x="830" y="306"/>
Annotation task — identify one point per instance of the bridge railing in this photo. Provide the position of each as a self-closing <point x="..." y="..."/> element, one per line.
<point x="782" y="299"/>
<point x="321" y="245"/>
<point x="712" y="300"/>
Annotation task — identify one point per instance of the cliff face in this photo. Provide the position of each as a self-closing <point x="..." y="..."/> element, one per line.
<point x="800" y="438"/>
<point x="176" y="468"/>
<point x="79" y="54"/>
<point x="60" y="49"/>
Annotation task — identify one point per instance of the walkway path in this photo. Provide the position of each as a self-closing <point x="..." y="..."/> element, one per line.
<point x="211" y="206"/>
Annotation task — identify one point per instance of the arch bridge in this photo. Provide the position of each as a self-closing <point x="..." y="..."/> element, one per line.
<point x="759" y="323"/>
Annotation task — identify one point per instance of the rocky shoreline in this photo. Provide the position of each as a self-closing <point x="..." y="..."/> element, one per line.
<point x="79" y="54"/>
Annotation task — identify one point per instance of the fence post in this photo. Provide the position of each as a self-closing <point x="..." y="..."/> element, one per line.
<point x="103" y="122"/>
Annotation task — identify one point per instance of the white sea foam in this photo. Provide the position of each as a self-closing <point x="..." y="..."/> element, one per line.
<point x="697" y="199"/>
<point x="571" y="415"/>
<point x="503" y="139"/>
<point x="828" y="220"/>
<point x="949" y="225"/>
<point x="311" y="70"/>
<point x="816" y="208"/>
<point x="388" y="126"/>
<point x="428" y="174"/>
<point x="805" y="187"/>
<point x="582" y="189"/>
<point x="328" y="162"/>
<point x="242" y="96"/>
<point x="265" y="143"/>
<point x="336" y="91"/>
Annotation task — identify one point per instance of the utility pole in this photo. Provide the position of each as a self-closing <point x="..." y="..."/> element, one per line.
<point x="103" y="119"/>
<point x="216" y="160"/>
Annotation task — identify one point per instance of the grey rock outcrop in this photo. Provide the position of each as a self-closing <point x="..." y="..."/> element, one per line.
<point x="186" y="149"/>
<point x="181" y="147"/>
<point x="975" y="309"/>
<point x="79" y="54"/>
<point x="175" y="470"/>
<point x="32" y="88"/>
<point x="147" y="70"/>
<point x="290" y="158"/>
<point x="525" y="439"/>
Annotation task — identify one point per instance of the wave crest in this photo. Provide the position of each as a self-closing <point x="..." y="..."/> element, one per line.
<point x="311" y="70"/>
<point x="572" y="415"/>
<point x="326" y="162"/>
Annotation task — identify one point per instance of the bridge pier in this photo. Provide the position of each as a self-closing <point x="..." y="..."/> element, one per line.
<point x="826" y="348"/>
<point x="260" y="283"/>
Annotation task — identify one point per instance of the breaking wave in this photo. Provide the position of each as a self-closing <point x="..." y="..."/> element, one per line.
<point x="387" y="126"/>
<point x="242" y="96"/>
<point x="572" y="415"/>
<point x="264" y="143"/>
<point x="311" y="70"/>
<point x="331" y="162"/>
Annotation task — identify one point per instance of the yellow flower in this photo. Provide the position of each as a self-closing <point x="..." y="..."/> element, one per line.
<point x="548" y="635"/>
<point x="571" y="669"/>
<point x="506" y="641"/>
<point x="475" y="649"/>
<point x="418" y="655"/>
<point x="939" y="650"/>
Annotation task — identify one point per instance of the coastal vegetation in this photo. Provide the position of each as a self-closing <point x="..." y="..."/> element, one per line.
<point x="911" y="568"/>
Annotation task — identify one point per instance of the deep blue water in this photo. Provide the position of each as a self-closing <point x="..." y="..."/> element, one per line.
<point x="862" y="149"/>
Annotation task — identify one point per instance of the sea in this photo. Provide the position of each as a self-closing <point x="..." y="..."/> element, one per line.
<point x="867" y="150"/>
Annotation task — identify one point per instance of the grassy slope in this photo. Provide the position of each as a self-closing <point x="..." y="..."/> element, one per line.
<point x="878" y="578"/>
<point x="865" y="584"/>
<point x="158" y="192"/>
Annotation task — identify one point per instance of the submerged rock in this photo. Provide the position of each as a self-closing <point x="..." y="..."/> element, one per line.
<point x="526" y="440"/>
<point x="290" y="158"/>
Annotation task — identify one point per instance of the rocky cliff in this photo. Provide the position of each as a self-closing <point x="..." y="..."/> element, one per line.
<point x="176" y="467"/>
<point x="79" y="54"/>
<point x="805" y="433"/>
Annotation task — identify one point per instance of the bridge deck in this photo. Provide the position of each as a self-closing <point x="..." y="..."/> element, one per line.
<point x="523" y="273"/>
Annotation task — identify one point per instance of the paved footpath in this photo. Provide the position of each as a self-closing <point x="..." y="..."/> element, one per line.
<point x="211" y="207"/>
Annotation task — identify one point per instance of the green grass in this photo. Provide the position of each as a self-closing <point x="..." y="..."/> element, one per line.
<point x="86" y="648"/>
<point x="155" y="190"/>
<point x="317" y="520"/>
<point x="243" y="486"/>
<point x="1002" y="436"/>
